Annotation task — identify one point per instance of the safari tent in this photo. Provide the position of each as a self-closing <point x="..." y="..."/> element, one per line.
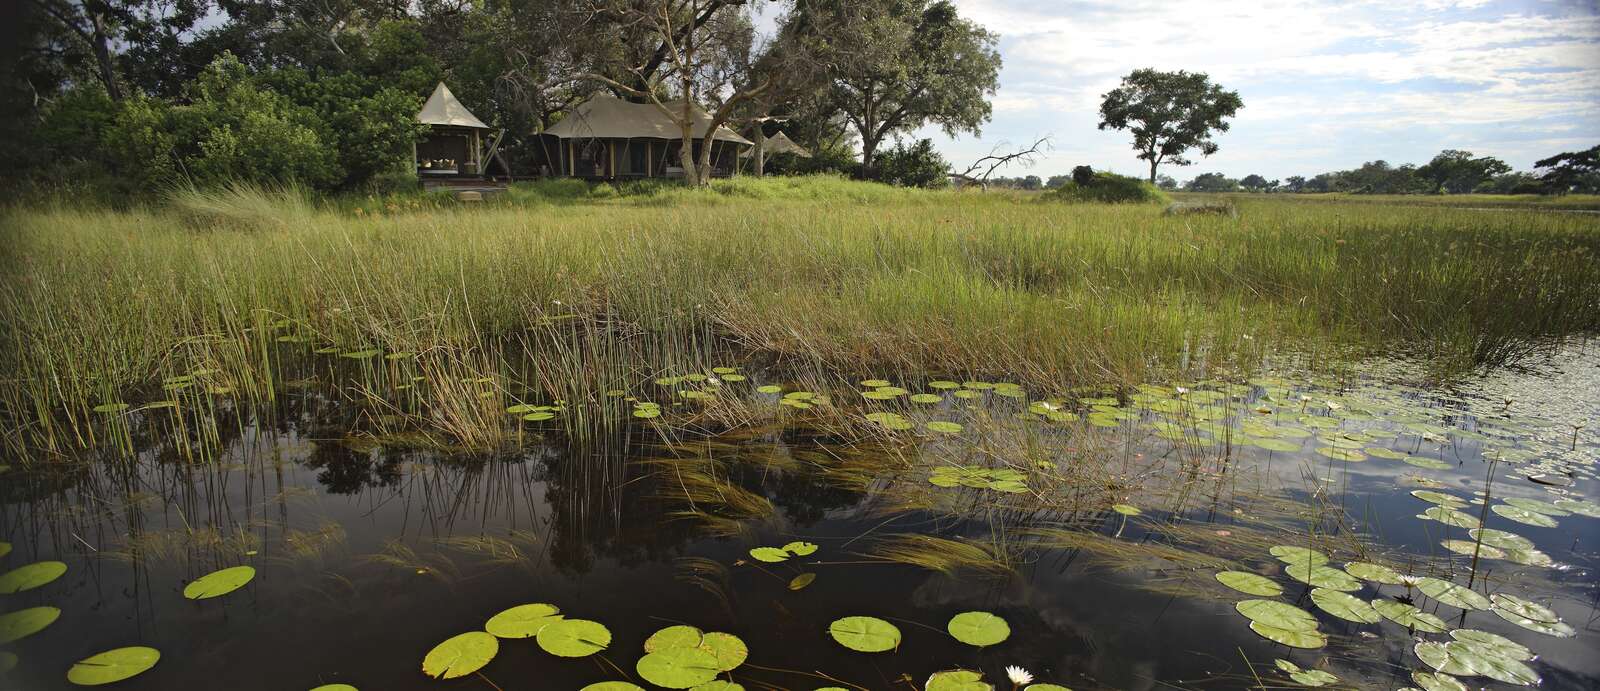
<point x="779" y="143"/>
<point x="607" y="138"/>
<point x="457" y="145"/>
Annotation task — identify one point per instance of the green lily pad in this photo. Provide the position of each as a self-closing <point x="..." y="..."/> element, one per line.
<point x="1469" y="548"/>
<point x="1502" y="646"/>
<point x="1452" y="594"/>
<point x="574" y="637"/>
<point x="1126" y="509"/>
<point x="113" y="666"/>
<point x="943" y="384"/>
<point x="957" y="680"/>
<point x="718" y="685"/>
<point x="771" y="555"/>
<point x="460" y="655"/>
<point x="1409" y="616"/>
<point x="1436" y="655"/>
<point x="1439" y="498"/>
<point x="801" y="581"/>
<point x="865" y="634"/>
<point x="1524" y="608"/>
<point x="219" y="583"/>
<point x="1308" y="639"/>
<point x="678" y="668"/>
<point x="343" y="687"/>
<point x="1449" y="516"/>
<point x="1582" y="507"/>
<point x="31" y="576"/>
<point x="1250" y="583"/>
<point x="944" y="427"/>
<point x="1331" y="577"/>
<point x="1313" y="677"/>
<point x="1383" y="452"/>
<point x="1344" y="606"/>
<point x="1536" y="506"/>
<point x="1377" y="573"/>
<point x="926" y="398"/>
<point x="26" y="622"/>
<point x="728" y="649"/>
<point x="1273" y="444"/>
<point x="1501" y="539"/>
<point x="1485" y="661"/>
<point x="1523" y="516"/>
<point x="800" y="549"/>
<point x="522" y="621"/>
<point x="1030" y="687"/>
<point x="1277" y="614"/>
<point x="1290" y="554"/>
<point x="674" y="637"/>
<point x="1434" y="681"/>
<point x="978" y="628"/>
<point x="1427" y="463"/>
<point x="612" y="686"/>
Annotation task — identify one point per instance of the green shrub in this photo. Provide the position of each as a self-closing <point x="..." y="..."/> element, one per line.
<point x="918" y="165"/>
<point x="1110" y="188"/>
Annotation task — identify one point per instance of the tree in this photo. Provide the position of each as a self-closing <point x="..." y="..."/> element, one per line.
<point x="1169" y="113"/>
<point x="906" y="64"/>
<point x="1294" y="183"/>
<point x="1459" y="172"/>
<point x="1166" y="182"/>
<point x="1253" y="182"/>
<point x="1212" y="182"/>
<point x="918" y="165"/>
<point x="1573" y="171"/>
<point x="1055" y="181"/>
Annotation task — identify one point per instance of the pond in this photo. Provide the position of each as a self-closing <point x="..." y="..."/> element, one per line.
<point x="1371" y="531"/>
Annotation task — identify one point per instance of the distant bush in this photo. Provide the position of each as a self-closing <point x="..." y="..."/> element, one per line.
<point x="918" y="165"/>
<point x="1109" y="188"/>
<point x="1083" y="175"/>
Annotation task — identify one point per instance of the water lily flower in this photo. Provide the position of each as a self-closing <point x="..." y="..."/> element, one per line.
<point x="1410" y="581"/>
<point x="1180" y="390"/>
<point x="713" y="381"/>
<point x="1019" y="676"/>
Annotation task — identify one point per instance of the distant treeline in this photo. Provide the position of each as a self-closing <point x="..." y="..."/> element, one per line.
<point x="1450" y="172"/>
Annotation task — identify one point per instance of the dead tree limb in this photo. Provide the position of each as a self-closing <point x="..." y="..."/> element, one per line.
<point x="982" y="169"/>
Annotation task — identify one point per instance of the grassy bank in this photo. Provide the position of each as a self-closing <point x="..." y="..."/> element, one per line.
<point x="572" y="295"/>
<point x="1568" y="202"/>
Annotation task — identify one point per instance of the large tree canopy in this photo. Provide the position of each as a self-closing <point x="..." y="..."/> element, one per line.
<point x="1170" y="114"/>
<point x="1459" y="172"/>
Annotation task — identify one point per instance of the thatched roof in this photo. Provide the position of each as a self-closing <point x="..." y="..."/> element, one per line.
<point x="442" y="108"/>
<point x="608" y="117"/>
<point x="780" y="143"/>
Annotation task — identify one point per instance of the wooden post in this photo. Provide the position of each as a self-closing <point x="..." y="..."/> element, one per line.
<point x="572" y="164"/>
<point x="611" y="148"/>
<point x="649" y="159"/>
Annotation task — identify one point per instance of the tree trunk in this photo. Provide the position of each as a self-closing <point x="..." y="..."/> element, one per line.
<point x="869" y="151"/>
<point x="761" y="151"/>
<point x="102" y="56"/>
<point x="1153" y="164"/>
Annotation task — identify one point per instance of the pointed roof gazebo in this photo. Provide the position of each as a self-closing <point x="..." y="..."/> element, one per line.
<point x="454" y="145"/>
<point x="780" y="143"/>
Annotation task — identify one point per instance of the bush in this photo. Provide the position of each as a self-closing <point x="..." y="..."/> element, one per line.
<point x="1109" y="188"/>
<point x="917" y="165"/>
<point x="1083" y="175"/>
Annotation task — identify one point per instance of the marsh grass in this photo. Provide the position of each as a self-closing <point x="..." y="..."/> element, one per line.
<point x="564" y="301"/>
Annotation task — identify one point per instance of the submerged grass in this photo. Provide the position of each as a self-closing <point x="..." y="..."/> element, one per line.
<point x="573" y="298"/>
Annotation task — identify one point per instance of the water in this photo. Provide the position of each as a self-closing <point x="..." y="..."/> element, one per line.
<point x="369" y="556"/>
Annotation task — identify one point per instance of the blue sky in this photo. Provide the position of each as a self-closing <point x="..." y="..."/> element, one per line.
<point x="1326" y="85"/>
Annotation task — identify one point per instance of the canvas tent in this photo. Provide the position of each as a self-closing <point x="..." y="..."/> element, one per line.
<point x="779" y="143"/>
<point x="608" y="138"/>
<point x="457" y="144"/>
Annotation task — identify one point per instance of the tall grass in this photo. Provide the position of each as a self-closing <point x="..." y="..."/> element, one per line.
<point x="823" y="274"/>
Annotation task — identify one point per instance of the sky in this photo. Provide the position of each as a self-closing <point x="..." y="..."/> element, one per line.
<point x="1326" y="85"/>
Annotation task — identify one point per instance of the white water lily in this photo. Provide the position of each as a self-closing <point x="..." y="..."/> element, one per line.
<point x="713" y="381"/>
<point x="1019" y="676"/>
<point x="1180" y="390"/>
<point x="1410" y="581"/>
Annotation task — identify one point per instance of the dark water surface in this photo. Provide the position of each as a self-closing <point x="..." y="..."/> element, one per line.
<point x="368" y="556"/>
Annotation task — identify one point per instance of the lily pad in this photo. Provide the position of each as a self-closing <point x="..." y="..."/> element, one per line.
<point x="678" y="668"/>
<point x="1331" y="577"/>
<point x="1581" y="507"/>
<point x="1449" y="516"/>
<point x="1434" y="681"/>
<point x="1126" y="509"/>
<point x="1290" y="554"/>
<point x="1452" y="594"/>
<point x="944" y="427"/>
<point x="728" y="649"/>
<point x="460" y="655"/>
<point x="1250" y="583"/>
<point x="801" y="581"/>
<point x="1484" y="661"/>
<point x="674" y="637"/>
<point x="926" y="398"/>
<point x="574" y="637"/>
<point x="522" y="621"/>
<point x="1277" y="614"/>
<point x="1501" y="539"/>
<point x="26" y="622"/>
<point x="1469" y="548"/>
<point x="865" y="634"/>
<point x="1377" y="573"/>
<point x="978" y="628"/>
<point x="1313" y="677"/>
<point x="1524" y="608"/>
<point x="31" y="576"/>
<point x="800" y="549"/>
<point x="1344" y="606"/>
<point x="113" y="666"/>
<point x="957" y="680"/>
<point x="771" y="555"/>
<point x="612" y="686"/>
<point x="1308" y="639"/>
<point x="219" y="583"/>
<point x="1523" y="516"/>
<point x="1409" y="616"/>
<point x="343" y="687"/>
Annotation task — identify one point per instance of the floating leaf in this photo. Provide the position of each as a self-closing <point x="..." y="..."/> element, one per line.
<point x="944" y="427"/>
<point x="674" y="637"/>
<point x="801" y="581"/>
<point x="1313" y="677"/>
<point x="718" y="685"/>
<point x="1126" y="509"/>
<point x="574" y="637"/>
<point x="1452" y="594"/>
<point x="1290" y="554"/>
<point x="1482" y="660"/>
<point x="1344" y="606"/>
<point x="460" y="655"/>
<point x="26" y="622"/>
<point x="113" y="666"/>
<point x="1031" y="687"/>
<point x="1434" y="681"/>
<point x="943" y="384"/>
<point x="1581" y="507"/>
<point x="771" y="555"/>
<point x="1409" y="616"/>
<point x="678" y="668"/>
<point x="1502" y="646"/>
<point x="612" y="686"/>
<point x="1537" y="506"/>
<point x="1449" y="516"/>
<point x="1277" y="614"/>
<point x="219" y="583"/>
<point x="865" y="634"/>
<point x="769" y="388"/>
<point x="926" y="398"/>
<point x="1501" y="539"/>
<point x="522" y="621"/>
<point x="1438" y="498"/>
<point x="957" y="680"/>
<point x="728" y="649"/>
<point x="345" y="687"/>
<point x="1308" y="639"/>
<point x="1331" y="577"/>
<point x="1523" y="516"/>
<point x="978" y="628"/>
<point x="800" y="549"/>
<point x="1250" y="583"/>
<point x="31" y="576"/>
<point x="1469" y="548"/>
<point x="1377" y="573"/>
